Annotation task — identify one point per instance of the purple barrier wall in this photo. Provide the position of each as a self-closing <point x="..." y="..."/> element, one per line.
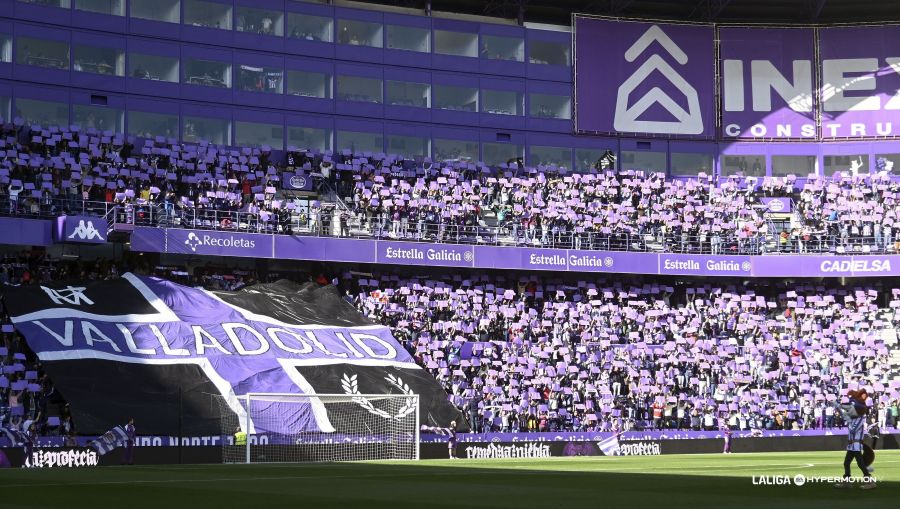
<point x="255" y="245"/>
<point x="25" y="232"/>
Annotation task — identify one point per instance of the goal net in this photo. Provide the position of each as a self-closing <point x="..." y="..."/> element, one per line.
<point x="287" y="428"/>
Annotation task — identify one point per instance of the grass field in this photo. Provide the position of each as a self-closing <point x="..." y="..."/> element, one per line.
<point x="696" y="481"/>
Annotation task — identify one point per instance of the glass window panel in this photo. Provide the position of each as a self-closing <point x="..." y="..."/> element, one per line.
<point x="499" y="153"/>
<point x="800" y="166"/>
<point x="686" y="163"/>
<point x="112" y="7"/>
<point x="887" y="162"/>
<point x="549" y="53"/>
<point x="501" y="102"/>
<point x="359" y="33"/>
<point x="96" y="60"/>
<point x="401" y="93"/>
<point x="260" y="79"/>
<point x="408" y="146"/>
<point x="153" y="67"/>
<point x="558" y="156"/>
<point x="207" y="14"/>
<point x="502" y="48"/>
<point x="360" y="142"/>
<point x="255" y="134"/>
<point x="309" y="138"/>
<point x="586" y="158"/>
<point x="42" y="53"/>
<point x="5" y="48"/>
<point x="260" y="21"/>
<point x="749" y="166"/>
<point x="145" y="124"/>
<point x="646" y="161"/>
<point x="168" y="11"/>
<point x="447" y="97"/>
<point x="5" y="102"/>
<point x="45" y="113"/>
<point x="458" y="44"/>
<point x="310" y="28"/>
<point x="213" y="130"/>
<point x="550" y="106"/>
<point x="858" y="163"/>
<point x="357" y="88"/>
<point x="309" y="84"/>
<point x="207" y="73"/>
<point x="65" y="4"/>
<point x="409" y="38"/>
<point x="98" y="117"/>
<point x="455" y="150"/>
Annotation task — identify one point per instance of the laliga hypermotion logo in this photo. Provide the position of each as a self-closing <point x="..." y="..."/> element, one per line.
<point x="626" y="119"/>
<point x="193" y="241"/>
<point x="86" y="231"/>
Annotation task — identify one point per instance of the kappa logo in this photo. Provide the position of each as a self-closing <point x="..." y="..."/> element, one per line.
<point x="193" y="241"/>
<point x="626" y="118"/>
<point x="73" y="295"/>
<point x="86" y="231"/>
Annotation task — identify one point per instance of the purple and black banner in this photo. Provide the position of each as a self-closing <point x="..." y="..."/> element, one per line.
<point x="285" y="247"/>
<point x="658" y="79"/>
<point x="151" y="349"/>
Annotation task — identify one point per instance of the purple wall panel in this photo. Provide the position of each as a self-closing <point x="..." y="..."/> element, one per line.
<point x="41" y="13"/>
<point x="97" y="21"/>
<point x="154" y="28"/>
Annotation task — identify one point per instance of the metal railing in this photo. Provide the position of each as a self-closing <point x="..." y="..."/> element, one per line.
<point x="328" y="223"/>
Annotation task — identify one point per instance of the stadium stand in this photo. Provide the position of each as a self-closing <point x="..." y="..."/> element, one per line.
<point x="48" y="171"/>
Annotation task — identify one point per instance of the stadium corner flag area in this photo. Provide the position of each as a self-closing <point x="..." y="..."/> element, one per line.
<point x="676" y="481"/>
<point x="476" y="254"/>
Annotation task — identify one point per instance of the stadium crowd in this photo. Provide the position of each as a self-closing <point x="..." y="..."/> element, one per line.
<point x="539" y="354"/>
<point x="47" y="171"/>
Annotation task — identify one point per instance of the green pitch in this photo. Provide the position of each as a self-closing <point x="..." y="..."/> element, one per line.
<point x="661" y="482"/>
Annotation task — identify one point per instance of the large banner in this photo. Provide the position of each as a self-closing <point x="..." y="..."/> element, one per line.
<point x="767" y="82"/>
<point x="860" y="69"/>
<point x="657" y="79"/>
<point x="163" y="353"/>
<point x="636" y="77"/>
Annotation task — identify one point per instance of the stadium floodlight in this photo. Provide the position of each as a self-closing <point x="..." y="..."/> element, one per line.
<point x="293" y="428"/>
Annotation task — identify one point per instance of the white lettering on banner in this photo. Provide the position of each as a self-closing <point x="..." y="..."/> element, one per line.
<point x="639" y="449"/>
<point x="139" y="337"/>
<point x="431" y="254"/>
<point x="764" y="78"/>
<point x="590" y="261"/>
<point x="194" y="241"/>
<point x="494" y="451"/>
<point x="681" y="265"/>
<point x="536" y="259"/>
<point x="73" y="295"/>
<point x="72" y="459"/>
<point x="849" y="75"/>
<point x="851" y="266"/>
<point x="392" y="253"/>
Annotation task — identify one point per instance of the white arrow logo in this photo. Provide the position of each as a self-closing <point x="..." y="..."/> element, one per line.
<point x="626" y="119"/>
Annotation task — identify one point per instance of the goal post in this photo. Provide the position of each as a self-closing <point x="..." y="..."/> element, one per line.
<point x="291" y="428"/>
